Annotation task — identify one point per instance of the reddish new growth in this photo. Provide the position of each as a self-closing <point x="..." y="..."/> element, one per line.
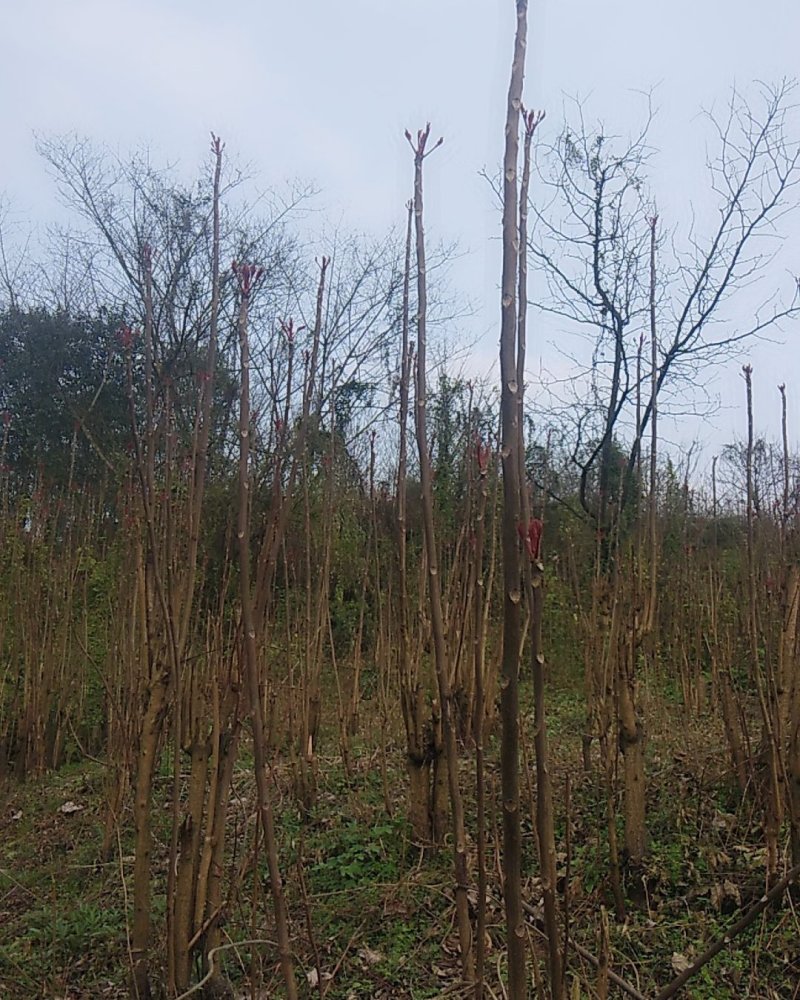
<point x="126" y="336"/>
<point x="287" y="325"/>
<point x="422" y="140"/>
<point x="482" y="453"/>
<point x="248" y="275"/>
<point x="532" y="537"/>
<point x="531" y="119"/>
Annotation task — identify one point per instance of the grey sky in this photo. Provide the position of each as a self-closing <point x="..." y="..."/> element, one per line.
<point x="323" y="91"/>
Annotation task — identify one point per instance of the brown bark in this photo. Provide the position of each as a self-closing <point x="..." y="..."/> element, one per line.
<point x="161" y="655"/>
<point x="772" y="788"/>
<point x="512" y="582"/>
<point x="188" y="861"/>
<point x="479" y="717"/>
<point x="794" y="770"/>
<point x="631" y="739"/>
<point x="143" y="843"/>
<point x="419" y="746"/>
<point x="208" y="921"/>
<point x="441" y="656"/>
<point x="534" y="580"/>
<point x="652" y="501"/>
<point x="248" y="276"/>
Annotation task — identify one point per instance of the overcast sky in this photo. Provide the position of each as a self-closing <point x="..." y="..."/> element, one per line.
<point x="322" y="91"/>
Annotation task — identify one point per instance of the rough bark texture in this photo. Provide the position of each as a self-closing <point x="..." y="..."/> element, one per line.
<point x="441" y="660"/>
<point x="631" y="740"/>
<point x="250" y="649"/>
<point x="534" y="581"/>
<point x="512" y="583"/>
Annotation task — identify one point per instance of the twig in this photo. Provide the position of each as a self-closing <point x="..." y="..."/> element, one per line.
<point x="127" y="922"/>
<point x="567" y="876"/>
<point x="342" y="957"/>
<point x="212" y="964"/>
<point x="205" y="926"/>
<point x="615" y="979"/>
<point x="584" y="953"/>
<point x="5" y="873"/>
<point x="537" y="975"/>
<point x="309" y="923"/>
<point x="741" y="924"/>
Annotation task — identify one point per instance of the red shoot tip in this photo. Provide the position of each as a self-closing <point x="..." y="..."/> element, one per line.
<point x="532" y="537"/>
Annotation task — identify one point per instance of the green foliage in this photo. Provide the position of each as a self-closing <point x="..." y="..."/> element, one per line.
<point x="353" y="855"/>
<point x="68" y="936"/>
<point x="59" y="372"/>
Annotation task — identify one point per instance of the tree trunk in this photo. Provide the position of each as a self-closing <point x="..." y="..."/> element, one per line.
<point x="512" y="580"/>
<point x="631" y="740"/>
<point x="248" y="275"/>
<point x="148" y="754"/>
<point x="441" y="658"/>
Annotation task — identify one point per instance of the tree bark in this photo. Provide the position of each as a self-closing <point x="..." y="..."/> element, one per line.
<point x="248" y="275"/>
<point x="441" y="658"/>
<point x="512" y="582"/>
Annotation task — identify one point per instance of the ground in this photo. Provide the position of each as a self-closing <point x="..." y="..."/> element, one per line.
<point x="381" y="909"/>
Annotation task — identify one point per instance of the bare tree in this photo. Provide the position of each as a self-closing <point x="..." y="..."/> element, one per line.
<point x="123" y="205"/>
<point x="13" y="262"/>
<point x="248" y="276"/>
<point x="438" y="625"/>
<point x="510" y="391"/>
<point x="592" y="242"/>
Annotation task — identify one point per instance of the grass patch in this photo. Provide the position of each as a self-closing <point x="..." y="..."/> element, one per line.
<point x="382" y="911"/>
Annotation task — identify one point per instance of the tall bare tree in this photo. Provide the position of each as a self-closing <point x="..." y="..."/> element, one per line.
<point x="248" y="276"/>
<point x="510" y="392"/>
<point x="592" y="244"/>
<point x="438" y="625"/>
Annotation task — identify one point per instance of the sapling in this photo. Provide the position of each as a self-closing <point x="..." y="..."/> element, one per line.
<point x="512" y="570"/>
<point x="248" y="276"/>
<point x="440" y="650"/>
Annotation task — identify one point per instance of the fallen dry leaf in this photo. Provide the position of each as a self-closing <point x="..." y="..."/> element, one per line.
<point x="680" y="963"/>
<point x="69" y="808"/>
